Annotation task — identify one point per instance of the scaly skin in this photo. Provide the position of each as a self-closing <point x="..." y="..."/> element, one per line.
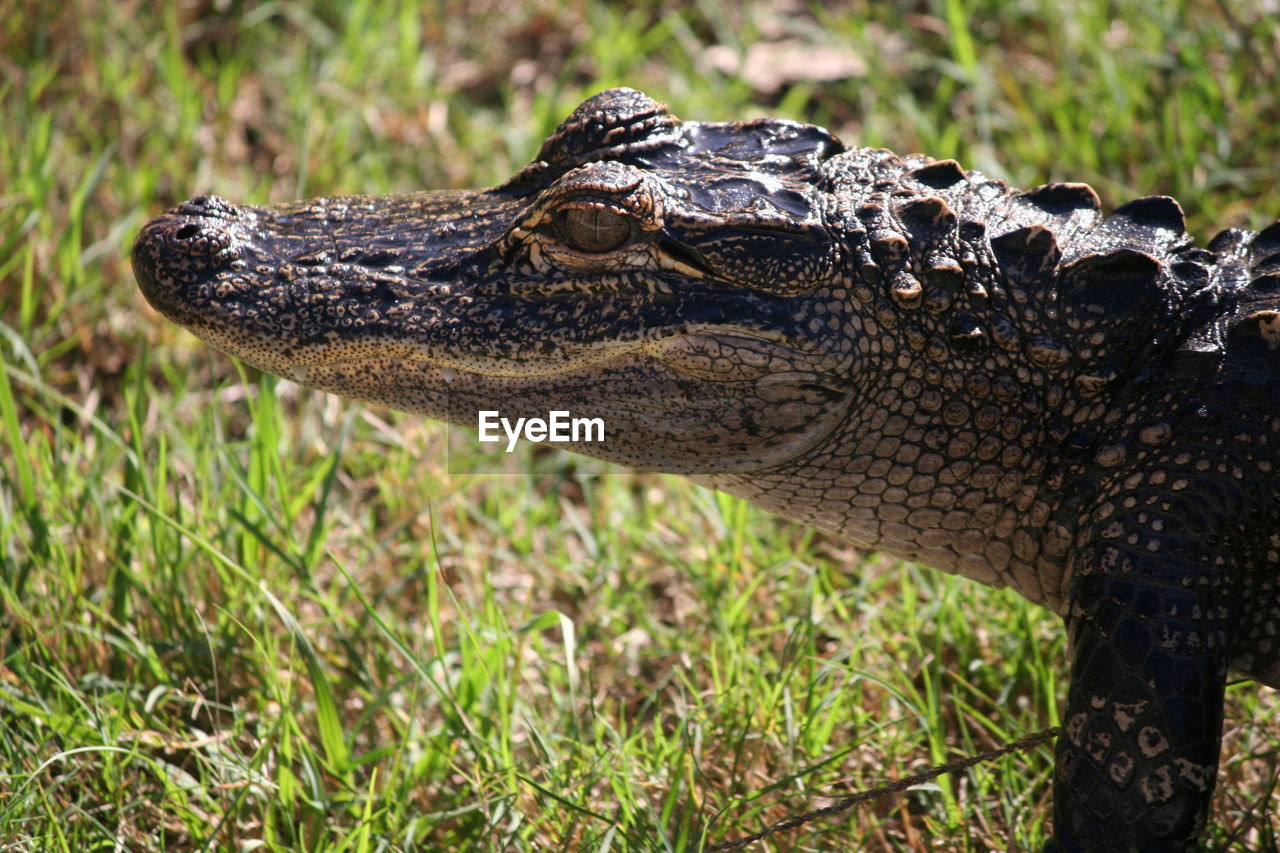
<point x="1007" y="385"/>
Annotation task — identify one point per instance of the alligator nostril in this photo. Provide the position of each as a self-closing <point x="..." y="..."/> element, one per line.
<point x="194" y="236"/>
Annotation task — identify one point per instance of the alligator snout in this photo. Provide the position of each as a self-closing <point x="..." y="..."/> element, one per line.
<point x="185" y="247"/>
<point x="200" y="227"/>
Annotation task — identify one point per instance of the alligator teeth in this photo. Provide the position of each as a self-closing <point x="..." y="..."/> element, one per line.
<point x="447" y="373"/>
<point x="300" y="374"/>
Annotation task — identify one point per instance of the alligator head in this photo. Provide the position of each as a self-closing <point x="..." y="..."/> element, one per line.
<point x="657" y="274"/>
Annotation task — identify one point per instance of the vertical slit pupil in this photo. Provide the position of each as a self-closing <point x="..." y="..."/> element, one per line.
<point x="595" y="230"/>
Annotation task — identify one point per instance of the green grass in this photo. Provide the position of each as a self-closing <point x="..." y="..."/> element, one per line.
<point x="240" y="615"/>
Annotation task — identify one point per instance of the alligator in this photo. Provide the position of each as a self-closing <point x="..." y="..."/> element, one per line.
<point x="1008" y="385"/>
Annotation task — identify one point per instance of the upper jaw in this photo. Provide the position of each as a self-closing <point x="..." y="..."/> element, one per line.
<point x="423" y="277"/>
<point x="305" y="273"/>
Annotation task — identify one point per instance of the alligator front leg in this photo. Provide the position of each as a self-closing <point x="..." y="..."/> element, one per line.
<point x="1141" y="735"/>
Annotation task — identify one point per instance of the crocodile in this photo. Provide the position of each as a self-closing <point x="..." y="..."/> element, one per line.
<point x="1009" y="385"/>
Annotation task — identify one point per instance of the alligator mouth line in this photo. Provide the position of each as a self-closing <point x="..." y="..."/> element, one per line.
<point x="451" y="369"/>
<point x="657" y="348"/>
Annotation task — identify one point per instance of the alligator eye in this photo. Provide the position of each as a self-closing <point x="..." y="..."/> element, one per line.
<point x="594" y="230"/>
